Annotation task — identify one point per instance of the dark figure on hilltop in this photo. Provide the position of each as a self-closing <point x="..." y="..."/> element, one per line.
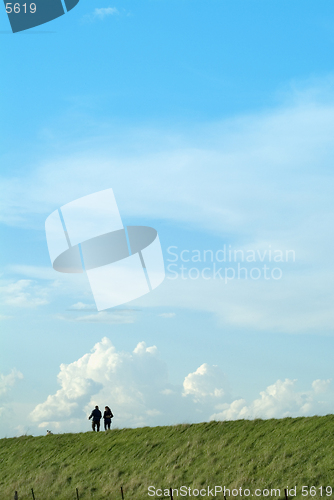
<point x="96" y="415"/>
<point x="107" y="416"/>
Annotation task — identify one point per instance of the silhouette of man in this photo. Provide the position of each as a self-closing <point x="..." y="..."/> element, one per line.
<point x="96" y="415"/>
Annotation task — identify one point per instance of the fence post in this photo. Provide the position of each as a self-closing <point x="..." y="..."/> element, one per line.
<point x="171" y="493"/>
<point x="32" y="492"/>
<point x="122" y="492"/>
<point x="286" y="495"/>
<point x="16" y="496"/>
<point x="77" y="492"/>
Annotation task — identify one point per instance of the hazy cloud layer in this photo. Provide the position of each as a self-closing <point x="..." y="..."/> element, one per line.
<point x="238" y="176"/>
<point x="258" y="180"/>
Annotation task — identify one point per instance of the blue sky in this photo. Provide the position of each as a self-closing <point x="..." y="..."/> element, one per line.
<point x="213" y="123"/>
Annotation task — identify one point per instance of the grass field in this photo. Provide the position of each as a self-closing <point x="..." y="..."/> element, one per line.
<point x="240" y="454"/>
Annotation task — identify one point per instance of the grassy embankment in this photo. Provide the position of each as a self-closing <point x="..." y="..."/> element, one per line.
<point x="247" y="454"/>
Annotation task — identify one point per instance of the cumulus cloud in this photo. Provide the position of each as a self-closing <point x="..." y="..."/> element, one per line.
<point x="280" y="400"/>
<point x="134" y="384"/>
<point x="205" y="381"/>
<point x="137" y="388"/>
<point x="321" y="386"/>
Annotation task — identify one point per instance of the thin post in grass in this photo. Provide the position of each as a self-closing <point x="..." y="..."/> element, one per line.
<point x="77" y="492"/>
<point x="32" y="492"/>
<point x="224" y="497"/>
<point x="122" y="492"/>
<point x="16" y="496"/>
<point x="286" y="494"/>
<point x="171" y="493"/>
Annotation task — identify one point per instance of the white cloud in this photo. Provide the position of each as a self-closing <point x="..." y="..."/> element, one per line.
<point x="23" y="293"/>
<point x="34" y="272"/>
<point x="112" y="318"/>
<point x="321" y="386"/>
<point x="205" y="381"/>
<point x="167" y="315"/>
<point x="105" y="12"/>
<point x="241" y="169"/>
<point x="108" y="317"/>
<point x="80" y="306"/>
<point x="100" y="14"/>
<point x="280" y="400"/>
<point x="287" y="305"/>
<point x="134" y="384"/>
<point x="43" y="285"/>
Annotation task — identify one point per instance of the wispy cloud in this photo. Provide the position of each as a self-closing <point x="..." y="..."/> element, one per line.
<point x="112" y="318"/>
<point x="23" y="293"/>
<point x="43" y="284"/>
<point x="168" y="315"/>
<point x="100" y="14"/>
<point x="7" y="382"/>
<point x="241" y="168"/>
<point x="242" y="177"/>
<point x="80" y="306"/>
<point x="104" y="12"/>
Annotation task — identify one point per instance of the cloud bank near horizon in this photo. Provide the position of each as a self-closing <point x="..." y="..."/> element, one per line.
<point x="136" y="386"/>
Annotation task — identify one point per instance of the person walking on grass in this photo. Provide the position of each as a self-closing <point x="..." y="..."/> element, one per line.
<point x="96" y="415"/>
<point x="107" y="416"/>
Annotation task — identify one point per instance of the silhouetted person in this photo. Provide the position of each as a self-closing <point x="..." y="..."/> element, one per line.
<point x="107" y="416"/>
<point x="96" y="415"/>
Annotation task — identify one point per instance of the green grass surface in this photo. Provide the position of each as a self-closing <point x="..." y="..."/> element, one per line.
<point x="247" y="454"/>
